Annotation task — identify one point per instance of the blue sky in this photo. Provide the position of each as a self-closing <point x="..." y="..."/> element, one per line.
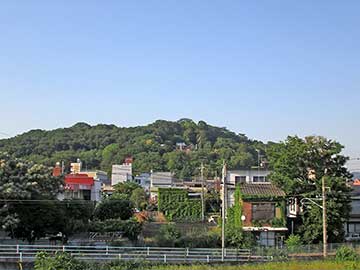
<point x="264" y="68"/>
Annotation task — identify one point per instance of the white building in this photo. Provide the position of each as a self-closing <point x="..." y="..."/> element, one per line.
<point x="252" y="176"/>
<point x="121" y="173"/>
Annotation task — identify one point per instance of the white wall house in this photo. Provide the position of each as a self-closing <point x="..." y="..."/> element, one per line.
<point x="121" y="173"/>
<point x="252" y="176"/>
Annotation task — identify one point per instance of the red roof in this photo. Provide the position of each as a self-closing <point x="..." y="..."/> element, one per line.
<point x="356" y="182"/>
<point x="81" y="179"/>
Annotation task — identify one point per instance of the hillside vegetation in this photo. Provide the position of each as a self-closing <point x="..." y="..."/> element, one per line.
<point x="153" y="147"/>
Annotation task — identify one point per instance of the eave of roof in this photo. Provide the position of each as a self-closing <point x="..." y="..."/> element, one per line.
<point x="261" y="190"/>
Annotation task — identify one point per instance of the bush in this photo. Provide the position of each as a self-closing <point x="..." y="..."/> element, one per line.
<point x="114" y="208"/>
<point x="61" y="261"/>
<point x="346" y="254"/>
<point x="200" y="240"/>
<point x="293" y="243"/>
<point x="169" y="236"/>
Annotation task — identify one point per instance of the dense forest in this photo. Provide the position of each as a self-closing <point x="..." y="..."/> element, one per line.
<point x="153" y="147"/>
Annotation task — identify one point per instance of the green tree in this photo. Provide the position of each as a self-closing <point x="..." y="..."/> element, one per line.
<point x="138" y="198"/>
<point x="298" y="167"/>
<point x="125" y="189"/>
<point x="153" y="147"/>
<point x="114" y="208"/>
<point x="36" y="220"/>
<point x="29" y="208"/>
<point x="234" y="233"/>
<point x="77" y="214"/>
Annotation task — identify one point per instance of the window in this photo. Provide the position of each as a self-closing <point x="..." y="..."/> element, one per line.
<point x="260" y="179"/>
<point x="263" y="211"/>
<point x="240" y="180"/>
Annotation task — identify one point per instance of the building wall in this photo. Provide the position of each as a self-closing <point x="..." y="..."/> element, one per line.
<point x="247" y="213"/>
<point x="100" y="176"/>
<point x="162" y="179"/>
<point x="121" y="173"/>
<point x="248" y="174"/>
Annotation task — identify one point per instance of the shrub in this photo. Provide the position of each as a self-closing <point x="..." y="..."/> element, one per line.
<point x="169" y="236"/>
<point x="114" y="208"/>
<point x="346" y="254"/>
<point x="61" y="261"/>
<point x="293" y="243"/>
<point x="200" y="240"/>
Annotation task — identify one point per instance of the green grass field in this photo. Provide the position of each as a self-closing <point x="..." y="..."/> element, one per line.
<point x="294" y="265"/>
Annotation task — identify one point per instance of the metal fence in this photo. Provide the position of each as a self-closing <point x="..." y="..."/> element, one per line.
<point x="106" y="253"/>
<point x="27" y="253"/>
<point x="302" y="252"/>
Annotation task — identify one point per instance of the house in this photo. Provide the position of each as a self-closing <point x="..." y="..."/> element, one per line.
<point x="121" y="173"/>
<point x="81" y="186"/>
<point x="98" y="175"/>
<point x="144" y="180"/>
<point x="160" y="180"/>
<point x="248" y="176"/>
<point x="264" y="205"/>
<point x="78" y="185"/>
<point x="352" y="226"/>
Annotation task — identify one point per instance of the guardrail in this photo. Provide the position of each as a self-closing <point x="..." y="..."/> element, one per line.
<point x="27" y="253"/>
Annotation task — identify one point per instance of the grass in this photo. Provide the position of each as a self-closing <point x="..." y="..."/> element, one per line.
<point x="292" y="265"/>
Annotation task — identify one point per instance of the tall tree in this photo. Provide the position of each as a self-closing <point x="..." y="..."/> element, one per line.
<point x="27" y="197"/>
<point x="298" y="167"/>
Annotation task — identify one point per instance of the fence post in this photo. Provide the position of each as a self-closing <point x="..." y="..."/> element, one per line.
<point x="187" y="252"/>
<point x="119" y="256"/>
<point x="148" y="251"/>
<point x="107" y="250"/>
<point x="21" y="257"/>
<point x="164" y="258"/>
<point x="17" y="249"/>
<point x="208" y="258"/>
<point x="63" y="248"/>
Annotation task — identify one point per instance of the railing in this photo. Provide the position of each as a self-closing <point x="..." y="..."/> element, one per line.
<point x="168" y="255"/>
<point x="303" y="252"/>
<point x="155" y="254"/>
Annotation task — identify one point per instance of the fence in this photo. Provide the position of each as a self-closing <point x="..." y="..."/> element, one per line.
<point x="106" y="253"/>
<point x="27" y="253"/>
<point x="302" y="252"/>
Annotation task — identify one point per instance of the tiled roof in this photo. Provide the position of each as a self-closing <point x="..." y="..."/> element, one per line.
<point x="262" y="190"/>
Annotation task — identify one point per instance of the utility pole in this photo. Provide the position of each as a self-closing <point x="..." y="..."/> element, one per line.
<point x="202" y="194"/>
<point x="312" y="176"/>
<point x="324" y="215"/>
<point x="223" y="211"/>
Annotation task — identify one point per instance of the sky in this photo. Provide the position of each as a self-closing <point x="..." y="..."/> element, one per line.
<point x="268" y="69"/>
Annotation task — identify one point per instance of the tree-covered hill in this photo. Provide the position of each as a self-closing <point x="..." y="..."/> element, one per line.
<point x="153" y="147"/>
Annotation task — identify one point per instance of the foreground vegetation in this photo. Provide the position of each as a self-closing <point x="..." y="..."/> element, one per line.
<point x="294" y="265"/>
<point x="64" y="262"/>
